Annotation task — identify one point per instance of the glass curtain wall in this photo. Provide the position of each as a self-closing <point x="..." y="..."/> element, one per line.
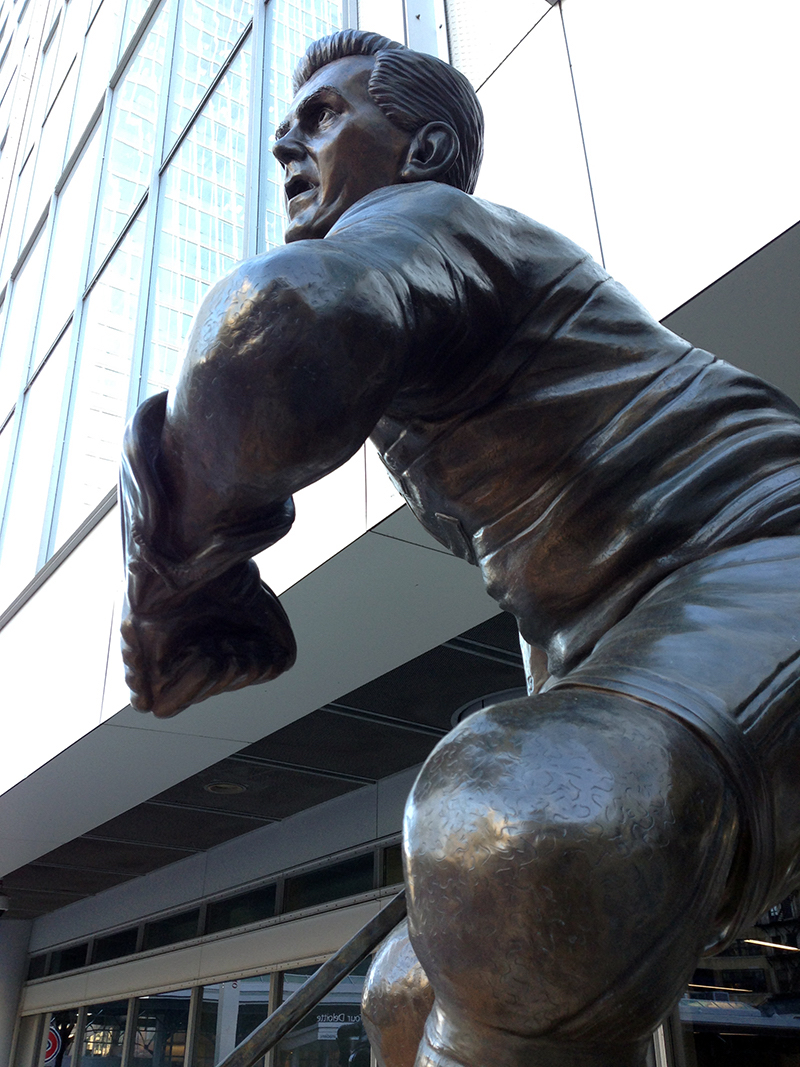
<point x="136" y="192"/>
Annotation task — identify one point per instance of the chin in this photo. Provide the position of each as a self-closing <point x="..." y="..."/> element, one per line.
<point x="307" y="229"/>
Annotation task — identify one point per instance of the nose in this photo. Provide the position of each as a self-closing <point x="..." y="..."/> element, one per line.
<point x="288" y="148"/>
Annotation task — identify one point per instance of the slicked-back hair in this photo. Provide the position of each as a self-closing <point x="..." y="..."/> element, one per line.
<point x="412" y="89"/>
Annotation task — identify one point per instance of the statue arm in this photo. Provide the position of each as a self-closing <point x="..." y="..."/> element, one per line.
<point x="290" y="363"/>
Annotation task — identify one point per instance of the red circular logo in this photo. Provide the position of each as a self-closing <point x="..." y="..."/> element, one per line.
<point x="53" y="1045"/>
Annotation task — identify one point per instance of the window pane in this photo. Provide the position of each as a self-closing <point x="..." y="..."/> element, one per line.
<point x="68" y="959"/>
<point x="129" y="157"/>
<point x="74" y="17"/>
<point x="50" y="157"/>
<point x="62" y="1035"/>
<point x="133" y="16"/>
<point x="113" y="946"/>
<point x="5" y="448"/>
<point x="31" y="475"/>
<point x="244" y="908"/>
<point x="96" y="65"/>
<point x="228" y="1013"/>
<point x="104" y="1035"/>
<point x="201" y="217"/>
<point x="16" y="214"/>
<point x="22" y="317"/>
<point x="63" y="268"/>
<point x="37" y="967"/>
<point x="104" y="371"/>
<point x="206" y="1036"/>
<point x="343" y="879"/>
<point x="160" y="1033"/>
<point x="207" y="31"/>
<point x="392" y="865"/>
<point x="174" y="928"/>
<point x="330" y="1033"/>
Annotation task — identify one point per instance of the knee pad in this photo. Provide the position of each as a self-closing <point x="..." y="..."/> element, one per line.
<point x="565" y="857"/>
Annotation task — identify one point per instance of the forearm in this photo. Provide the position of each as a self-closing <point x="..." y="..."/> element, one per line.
<point x="283" y="380"/>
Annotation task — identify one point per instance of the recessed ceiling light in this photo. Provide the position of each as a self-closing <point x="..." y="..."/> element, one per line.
<point x="225" y="789"/>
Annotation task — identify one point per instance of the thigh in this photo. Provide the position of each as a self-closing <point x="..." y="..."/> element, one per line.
<point x="717" y="644"/>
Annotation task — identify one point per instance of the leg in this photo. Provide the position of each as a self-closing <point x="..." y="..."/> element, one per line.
<point x="397" y="1001"/>
<point x="566" y="857"/>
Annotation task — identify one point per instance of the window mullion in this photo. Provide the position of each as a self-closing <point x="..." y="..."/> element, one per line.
<point x="143" y="326"/>
<point x="255" y="132"/>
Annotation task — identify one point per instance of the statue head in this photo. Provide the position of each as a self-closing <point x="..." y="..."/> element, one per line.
<point x="369" y="112"/>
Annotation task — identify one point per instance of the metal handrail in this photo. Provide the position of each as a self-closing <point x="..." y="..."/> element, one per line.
<point x="289" y="1014"/>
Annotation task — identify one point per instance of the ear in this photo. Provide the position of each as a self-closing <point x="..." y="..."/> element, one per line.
<point x="433" y="150"/>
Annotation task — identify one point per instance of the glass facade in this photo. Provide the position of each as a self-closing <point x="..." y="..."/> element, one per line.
<point x="142" y="176"/>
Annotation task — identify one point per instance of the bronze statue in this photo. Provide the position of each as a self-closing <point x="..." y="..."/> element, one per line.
<point x="633" y="501"/>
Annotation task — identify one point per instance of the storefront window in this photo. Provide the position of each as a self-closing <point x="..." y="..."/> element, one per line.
<point x="159" y="1038"/>
<point x="742" y="1007"/>
<point x="228" y="1013"/>
<point x="104" y="1035"/>
<point x="60" y="1039"/>
<point x="331" y="1035"/>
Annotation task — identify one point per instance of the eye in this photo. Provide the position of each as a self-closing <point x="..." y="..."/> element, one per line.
<point x="325" y="115"/>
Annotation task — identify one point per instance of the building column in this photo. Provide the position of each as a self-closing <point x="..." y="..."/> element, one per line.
<point x="14" y="938"/>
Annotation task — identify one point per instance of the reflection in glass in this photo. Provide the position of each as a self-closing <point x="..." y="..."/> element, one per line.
<point x="100" y="404"/>
<point x="201" y="218"/>
<point x="129" y="156"/>
<point x="63" y="267"/>
<point x="15" y="350"/>
<point x="68" y="959"/>
<point x="16" y="215"/>
<point x="331" y="1035"/>
<point x="74" y="17"/>
<point x="742" y="1007"/>
<point x="344" y="879"/>
<point x="206" y="1033"/>
<point x="173" y="928"/>
<point x="104" y="1034"/>
<point x="5" y="449"/>
<point x="160" y="1031"/>
<point x="134" y="12"/>
<point x="50" y="156"/>
<point x="244" y="908"/>
<point x="62" y="1029"/>
<point x="229" y="1011"/>
<point x="207" y="31"/>
<point x="22" y="531"/>
<point x="113" y="946"/>
<point x="96" y="66"/>
<point x="292" y="26"/>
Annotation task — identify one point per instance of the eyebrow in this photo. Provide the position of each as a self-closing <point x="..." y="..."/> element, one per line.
<point x="307" y="105"/>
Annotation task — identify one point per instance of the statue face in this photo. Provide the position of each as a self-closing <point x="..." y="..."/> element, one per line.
<point x="335" y="146"/>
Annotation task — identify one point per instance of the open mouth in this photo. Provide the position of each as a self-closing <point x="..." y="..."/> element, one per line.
<point x="296" y="186"/>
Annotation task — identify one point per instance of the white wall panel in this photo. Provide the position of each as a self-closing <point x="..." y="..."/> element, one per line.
<point x="383" y="16"/>
<point x="481" y="38"/>
<point x="690" y="113"/>
<point x="338" y="824"/>
<point x="534" y="158"/>
<point x="53" y="654"/>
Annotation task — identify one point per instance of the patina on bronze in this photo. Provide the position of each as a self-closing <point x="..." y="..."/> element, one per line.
<point x="632" y="500"/>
